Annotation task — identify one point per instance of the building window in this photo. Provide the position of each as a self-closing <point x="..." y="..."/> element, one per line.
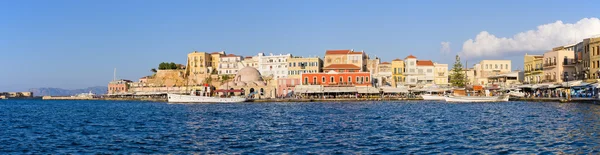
<point x="429" y="70"/>
<point x="358" y="79"/>
<point x="496" y="66"/>
<point x="306" y="80"/>
<point x="323" y="79"/>
<point x="314" y="79"/>
<point x="367" y="79"/>
<point x="349" y="79"/>
<point x="331" y="79"/>
<point x="506" y="66"/>
<point x="341" y="79"/>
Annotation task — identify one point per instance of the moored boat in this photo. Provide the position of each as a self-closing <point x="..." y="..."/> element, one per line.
<point x="502" y="98"/>
<point x="433" y="97"/>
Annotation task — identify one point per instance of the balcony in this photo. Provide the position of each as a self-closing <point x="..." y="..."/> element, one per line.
<point x="550" y="65"/>
<point x="569" y="63"/>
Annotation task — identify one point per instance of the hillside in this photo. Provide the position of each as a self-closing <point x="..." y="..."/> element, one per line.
<point x="66" y="92"/>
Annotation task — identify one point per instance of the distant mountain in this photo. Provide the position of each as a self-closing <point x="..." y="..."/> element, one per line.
<point x="66" y="92"/>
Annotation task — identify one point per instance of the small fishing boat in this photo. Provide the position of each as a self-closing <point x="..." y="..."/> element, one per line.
<point x="502" y="98"/>
<point x="516" y="93"/>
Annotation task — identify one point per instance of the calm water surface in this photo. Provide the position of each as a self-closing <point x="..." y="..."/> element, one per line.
<point x="57" y="127"/>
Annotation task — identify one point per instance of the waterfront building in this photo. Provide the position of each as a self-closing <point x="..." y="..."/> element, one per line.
<point x="559" y="64"/>
<point x="373" y="65"/>
<point x="487" y="68"/>
<point x="230" y="64"/>
<point x="299" y="65"/>
<point x="350" y="58"/>
<point x="250" y="62"/>
<point x="296" y="67"/>
<point x="118" y="86"/>
<point x="533" y="68"/>
<point x="200" y="66"/>
<point x="507" y="79"/>
<point x="248" y="82"/>
<point x="441" y="74"/>
<point x="397" y="72"/>
<point x="333" y="78"/>
<point x="425" y="72"/>
<point x="215" y="58"/>
<point x="410" y="71"/>
<point x="275" y="66"/>
<point x="592" y="46"/>
<point x="383" y="75"/>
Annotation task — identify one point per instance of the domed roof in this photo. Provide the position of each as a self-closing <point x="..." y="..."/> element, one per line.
<point x="248" y="74"/>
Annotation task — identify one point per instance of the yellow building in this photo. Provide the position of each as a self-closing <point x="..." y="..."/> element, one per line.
<point x="441" y="74"/>
<point x="200" y="66"/>
<point x="533" y="65"/>
<point x="215" y="57"/>
<point x="593" y="47"/>
<point x="397" y="72"/>
<point x="299" y="65"/>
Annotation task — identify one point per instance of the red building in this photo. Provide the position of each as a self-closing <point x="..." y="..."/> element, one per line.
<point x="119" y="86"/>
<point x="333" y="78"/>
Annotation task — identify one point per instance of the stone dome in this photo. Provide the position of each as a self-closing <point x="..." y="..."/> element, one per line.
<point x="248" y="74"/>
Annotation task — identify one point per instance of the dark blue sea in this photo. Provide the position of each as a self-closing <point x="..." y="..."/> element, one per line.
<point x="418" y="127"/>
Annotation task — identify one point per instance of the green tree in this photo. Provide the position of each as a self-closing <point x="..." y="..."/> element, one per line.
<point x="153" y="70"/>
<point x="458" y="77"/>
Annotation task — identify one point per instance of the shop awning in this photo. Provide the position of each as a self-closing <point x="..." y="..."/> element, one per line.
<point x="367" y="90"/>
<point x="394" y="90"/>
<point x="339" y="89"/>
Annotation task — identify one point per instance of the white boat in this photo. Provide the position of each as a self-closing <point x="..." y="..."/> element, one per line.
<point x="503" y="98"/>
<point x="516" y="93"/>
<point x="176" y="98"/>
<point x="433" y="97"/>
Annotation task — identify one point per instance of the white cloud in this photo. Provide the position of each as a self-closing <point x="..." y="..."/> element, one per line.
<point x="445" y="48"/>
<point x="545" y="37"/>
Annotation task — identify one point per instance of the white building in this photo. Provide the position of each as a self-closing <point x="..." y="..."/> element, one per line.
<point x="230" y="64"/>
<point x="273" y="65"/>
<point x="410" y="73"/>
<point x="425" y="72"/>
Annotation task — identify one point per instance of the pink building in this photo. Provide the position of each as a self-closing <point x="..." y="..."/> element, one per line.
<point x="285" y="86"/>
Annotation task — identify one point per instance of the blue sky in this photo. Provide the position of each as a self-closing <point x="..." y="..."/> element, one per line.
<point x="76" y="44"/>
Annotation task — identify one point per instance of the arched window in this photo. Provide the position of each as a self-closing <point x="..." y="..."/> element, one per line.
<point x="341" y="79"/>
<point x="231" y="92"/>
<point x="349" y="79"/>
<point x="306" y="80"/>
<point x="331" y="79"/>
<point x="323" y="79"/>
<point x="314" y="80"/>
<point x="366" y="79"/>
<point x="243" y="92"/>
<point x="262" y="91"/>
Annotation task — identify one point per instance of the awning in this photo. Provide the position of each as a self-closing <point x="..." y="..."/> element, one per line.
<point x="367" y="90"/>
<point x="394" y="90"/>
<point x="339" y="89"/>
<point x="539" y="86"/>
<point x="525" y="86"/>
<point x="552" y="86"/>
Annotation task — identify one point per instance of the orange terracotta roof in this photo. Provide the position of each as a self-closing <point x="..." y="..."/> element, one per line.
<point x="411" y="56"/>
<point x="342" y="52"/>
<point x="248" y="57"/>
<point x="397" y="60"/>
<point x="385" y="63"/>
<point x="342" y="66"/>
<point x="424" y="63"/>
<point x="230" y="55"/>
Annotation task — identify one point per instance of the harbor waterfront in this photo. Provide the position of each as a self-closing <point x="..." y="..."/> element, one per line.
<point x="390" y="127"/>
